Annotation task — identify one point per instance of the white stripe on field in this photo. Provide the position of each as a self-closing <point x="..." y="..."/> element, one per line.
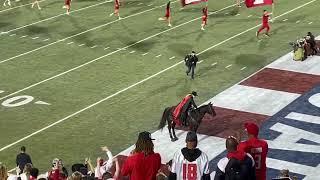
<point x="310" y="23"/>
<point x="243" y="68"/>
<point x="285" y="20"/>
<point x="24" y="36"/>
<point x="81" y="45"/>
<point x="70" y="42"/>
<point x="43" y="20"/>
<point x="12" y="34"/>
<point x="159" y="55"/>
<point x="228" y="66"/>
<point x="238" y="15"/>
<point x="200" y="61"/>
<point x="250" y="16"/>
<point x="132" y="52"/>
<point x="106" y="48"/>
<point x="35" y="37"/>
<point x="46" y="39"/>
<point x="144" y="54"/>
<point x="94" y="46"/>
<point x="18" y="7"/>
<point x="172" y="57"/>
<point x="297" y="21"/>
<point x="83" y="32"/>
<point x="1" y="91"/>
<point x="213" y="64"/>
<point x="133" y="85"/>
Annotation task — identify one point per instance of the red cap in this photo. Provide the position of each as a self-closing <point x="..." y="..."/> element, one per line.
<point x="252" y="128"/>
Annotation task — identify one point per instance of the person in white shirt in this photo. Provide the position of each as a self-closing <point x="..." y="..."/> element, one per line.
<point x="103" y="166"/>
<point x="190" y="163"/>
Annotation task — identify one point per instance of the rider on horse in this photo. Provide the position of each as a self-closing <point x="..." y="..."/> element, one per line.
<point x="182" y="109"/>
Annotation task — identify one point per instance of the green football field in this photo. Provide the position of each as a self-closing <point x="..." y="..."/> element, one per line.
<point x="70" y="84"/>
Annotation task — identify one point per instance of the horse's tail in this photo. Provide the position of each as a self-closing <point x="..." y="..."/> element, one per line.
<point x="164" y="118"/>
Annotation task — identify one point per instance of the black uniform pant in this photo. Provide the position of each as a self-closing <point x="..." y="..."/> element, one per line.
<point x="191" y="68"/>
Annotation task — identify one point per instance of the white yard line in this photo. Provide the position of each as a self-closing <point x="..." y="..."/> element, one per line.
<point x="172" y="57"/>
<point x="18" y="7"/>
<point x="24" y="36"/>
<point x="250" y="16"/>
<point x="35" y="37"/>
<point x="213" y="64"/>
<point x="1" y="91"/>
<point x="297" y="21"/>
<point x="144" y="54"/>
<point x="228" y="66"/>
<point x="238" y="15"/>
<point x="83" y="32"/>
<point x="70" y="42"/>
<point x="138" y="83"/>
<point x="81" y="45"/>
<point x="106" y="48"/>
<point x="12" y="34"/>
<point x="132" y="52"/>
<point x="285" y="20"/>
<point x="200" y="62"/>
<point x="94" y="46"/>
<point x="243" y="68"/>
<point x="159" y="55"/>
<point x="310" y="23"/>
<point x="53" y="17"/>
<point x="46" y="39"/>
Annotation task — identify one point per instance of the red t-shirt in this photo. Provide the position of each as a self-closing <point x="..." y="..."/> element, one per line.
<point x="265" y="19"/>
<point x="258" y="149"/>
<point x="141" y="167"/>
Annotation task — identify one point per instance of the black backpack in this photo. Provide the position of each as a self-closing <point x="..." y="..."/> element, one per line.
<point x="240" y="170"/>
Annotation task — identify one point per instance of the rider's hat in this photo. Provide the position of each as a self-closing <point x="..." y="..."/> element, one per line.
<point x="194" y="93"/>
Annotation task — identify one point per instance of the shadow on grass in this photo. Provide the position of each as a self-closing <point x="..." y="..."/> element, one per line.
<point x="180" y="48"/>
<point x="250" y="60"/>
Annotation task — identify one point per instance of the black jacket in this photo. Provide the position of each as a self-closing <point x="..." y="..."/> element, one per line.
<point x="234" y="169"/>
<point x="191" y="60"/>
<point x="22" y="159"/>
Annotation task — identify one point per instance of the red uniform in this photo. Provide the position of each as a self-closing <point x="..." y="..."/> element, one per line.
<point x="265" y="23"/>
<point x="141" y="167"/>
<point x="168" y="10"/>
<point x="258" y="149"/>
<point x="205" y="15"/>
<point x="116" y="4"/>
<point x="67" y="2"/>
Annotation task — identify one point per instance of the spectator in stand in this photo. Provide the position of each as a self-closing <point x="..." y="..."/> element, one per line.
<point x="23" y="158"/>
<point x="34" y="172"/>
<point x="3" y="172"/>
<point x="26" y="172"/>
<point x="108" y="175"/>
<point x="102" y="165"/>
<point x="76" y="176"/>
<point x="257" y="148"/>
<point x="284" y="175"/>
<point x="238" y="165"/>
<point x="85" y="169"/>
<point x="58" y="172"/>
<point x="143" y="163"/>
<point x="190" y="163"/>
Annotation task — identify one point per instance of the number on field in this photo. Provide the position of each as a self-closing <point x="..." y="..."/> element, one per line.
<point x="17" y="101"/>
<point x="189" y="171"/>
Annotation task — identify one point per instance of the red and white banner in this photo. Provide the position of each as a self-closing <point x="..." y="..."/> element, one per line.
<point x="187" y="2"/>
<point x="254" y="3"/>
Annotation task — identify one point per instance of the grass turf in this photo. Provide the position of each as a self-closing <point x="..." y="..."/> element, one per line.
<point x="116" y="121"/>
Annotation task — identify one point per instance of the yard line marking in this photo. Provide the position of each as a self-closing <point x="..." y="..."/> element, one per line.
<point x="250" y="16"/>
<point x="97" y="27"/>
<point x="150" y="4"/>
<point x="297" y="21"/>
<point x="310" y="23"/>
<point x="24" y="36"/>
<point x="132" y="52"/>
<point x="140" y="82"/>
<point x="140" y="3"/>
<point x="159" y="55"/>
<point x="1" y="91"/>
<point x="46" y="39"/>
<point x="200" y="61"/>
<point x="238" y="14"/>
<point x="81" y="45"/>
<point x="226" y="13"/>
<point x="113" y="52"/>
<point x="106" y="48"/>
<point x="35" y="37"/>
<point x="17" y="7"/>
<point x="243" y="68"/>
<point x="70" y="42"/>
<point x="42" y="103"/>
<point x="228" y="66"/>
<point x="172" y="57"/>
<point x="43" y="20"/>
<point x="213" y="64"/>
<point x="285" y="20"/>
<point x="12" y="34"/>
<point x="94" y="46"/>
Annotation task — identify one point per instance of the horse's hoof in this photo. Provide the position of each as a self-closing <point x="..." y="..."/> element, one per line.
<point x="175" y="139"/>
<point x="172" y="140"/>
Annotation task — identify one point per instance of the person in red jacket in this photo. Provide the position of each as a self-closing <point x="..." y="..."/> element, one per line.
<point x="143" y="163"/>
<point x="116" y="8"/>
<point x="265" y="23"/>
<point x="257" y="148"/>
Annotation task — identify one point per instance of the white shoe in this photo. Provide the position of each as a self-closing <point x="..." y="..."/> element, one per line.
<point x="169" y="25"/>
<point x="202" y="29"/>
<point x="119" y="18"/>
<point x="68" y="13"/>
<point x="111" y="14"/>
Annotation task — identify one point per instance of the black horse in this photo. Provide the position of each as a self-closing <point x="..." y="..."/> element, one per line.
<point x="193" y="120"/>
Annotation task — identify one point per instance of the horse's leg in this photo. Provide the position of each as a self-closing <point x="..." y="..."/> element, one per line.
<point x="173" y="131"/>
